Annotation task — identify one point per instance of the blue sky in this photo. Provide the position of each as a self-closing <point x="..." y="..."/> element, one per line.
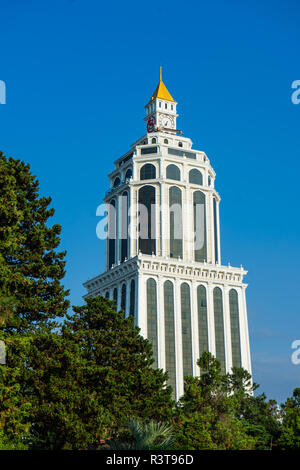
<point x="78" y="74"/>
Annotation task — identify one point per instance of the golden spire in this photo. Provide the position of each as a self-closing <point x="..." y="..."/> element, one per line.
<point x="161" y="91"/>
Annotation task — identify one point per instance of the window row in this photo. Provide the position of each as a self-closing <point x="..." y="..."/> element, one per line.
<point x="118" y="222"/>
<point x="186" y="326"/>
<point x="123" y="300"/>
<point x="148" y="172"/>
<point x="147" y="223"/>
<point x="128" y="176"/>
<point x="161" y="105"/>
<point x="166" y="141"/>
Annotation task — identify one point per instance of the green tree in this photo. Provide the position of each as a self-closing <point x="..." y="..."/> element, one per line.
<point x="119" y="364"/>
<point x="30" y="290"/>
<point x="66" y="412"/>
<point x="206" y="414"/>
<point x="290" y="436"/>
<point x="88" y="379"/>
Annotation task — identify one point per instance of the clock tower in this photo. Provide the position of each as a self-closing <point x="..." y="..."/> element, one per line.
<point x="161" y="110"/>
<point x="163" y="251"/>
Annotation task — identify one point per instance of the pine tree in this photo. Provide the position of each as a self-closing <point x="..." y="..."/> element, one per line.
<point x="30" y="267"/>
<point x="120" y="371"/>
<point x="31" y="294"/>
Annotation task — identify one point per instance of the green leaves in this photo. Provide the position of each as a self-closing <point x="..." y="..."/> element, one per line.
<point x="30" y="268"/>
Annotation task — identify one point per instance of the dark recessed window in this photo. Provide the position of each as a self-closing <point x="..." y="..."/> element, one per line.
<point x="166" y="141"/>
<point x="148" y="150"/>
<point x="146" y="200"/>
<point x="148" y="172"/>
<point x="117" y="182"/>
<point x="195" y="176"/>
<point x="179" y="144"/>
<point x="153" y="141"/>
<point x="128" y="173"/>
<point x="173" y="172"/>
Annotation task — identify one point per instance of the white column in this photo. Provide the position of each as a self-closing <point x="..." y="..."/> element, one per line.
<point x="117" y="231"/>
<point x="210" y="227"/>
<point x="137" y="287"/>
<point x="244" y="331"/>
<point x="142" y="306"/>
<point x="160" y="324"/>
<point x="218" y="225"/>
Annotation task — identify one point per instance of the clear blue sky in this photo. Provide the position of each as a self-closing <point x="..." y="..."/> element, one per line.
<point x="78" y="74"/>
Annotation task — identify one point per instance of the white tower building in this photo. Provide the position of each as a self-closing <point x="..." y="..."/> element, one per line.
<point x="166" y="269"/>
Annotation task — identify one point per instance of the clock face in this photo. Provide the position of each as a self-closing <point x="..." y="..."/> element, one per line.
<point x="151" y="124"/>
<point x="166" y="121"/>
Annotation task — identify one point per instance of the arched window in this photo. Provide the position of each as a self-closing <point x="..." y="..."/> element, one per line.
<point x="166" y="141"/>
<point x="219" y="328"/>
<point x="175" y="214"/>
<point x="117" y="182"/>
<point x="123" y="224"/>
<point x="123" y="298"/>
<point x="202" y="319"/>
<point x="216" y="236"/>
<point x="200" y="244"/>
<point x="179" y="144"/>
<point x="147" y="241"/>
<point x="195" y="177"/>
<point x="153" y="140"/>
<point x="111" y="211"/>
<point x="173" y="172"/>
<point x="152" y="317"/>
<point x="115" y="296"/>
<point x="187" y="358"/>
<point x="148" y="172"/>
<point x="235" y="328"/>
<point x="132" y="297"/>
<point x="128" y="174"/>
<point x="170" y="333"/>
<point x="107" y="294"/>
<point x="209" y="181"/>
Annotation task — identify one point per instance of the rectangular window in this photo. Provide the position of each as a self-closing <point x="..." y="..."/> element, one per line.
<point x="147" y="150"/>
<point x="182" y="153"/>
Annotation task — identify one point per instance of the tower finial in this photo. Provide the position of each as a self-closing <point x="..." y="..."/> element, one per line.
<point x="160" y="73"/>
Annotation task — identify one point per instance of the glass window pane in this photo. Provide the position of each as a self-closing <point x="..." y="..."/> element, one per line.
<point x="219" y="328"/>
<point x="200" y="226"/>
<point x="147" y="241"/>
<point x="235" y="329"/>
<point x="152" y="317"/>
<point x="173" y="172"/>
<point x="175" y="207"/>
<point x="187" y="357"/>
<point x="170" y="333"/>
<point x="202" y="319"/>
<point x="195" y="177"/>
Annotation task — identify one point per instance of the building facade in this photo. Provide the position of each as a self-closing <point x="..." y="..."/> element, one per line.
<point x="163" y="251"/>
